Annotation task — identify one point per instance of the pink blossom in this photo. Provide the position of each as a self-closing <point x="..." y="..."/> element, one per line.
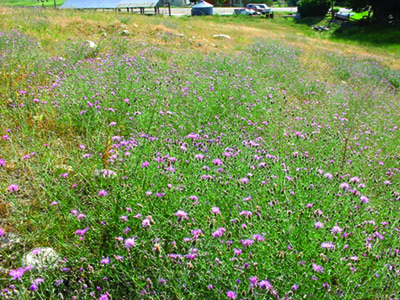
<point x="328" y="245"/>
<point x="336" y="229"/>
<point x="13" y="187"/>
<point x="146" y="223"/>
<point x="215" y="210"/>
<point x="318" y="268"/>
<point x="103" y="193"/>
<point x="105" y="261"/>
<point x="82" y="232"/>
<point x="18" y="273"/>
<point x="219" y="232"/>
<point x="182" y="215"/>
<point x="131" y="242"/>
<point x="364" y="199"/>
<point x="244" y="180"/>
<point x="318" y="225"/>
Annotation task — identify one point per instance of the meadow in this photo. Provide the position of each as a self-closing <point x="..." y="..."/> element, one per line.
<point x="163" y="163"/>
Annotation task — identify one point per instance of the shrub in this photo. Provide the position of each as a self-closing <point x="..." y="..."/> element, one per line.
<point x="313" y="8"/>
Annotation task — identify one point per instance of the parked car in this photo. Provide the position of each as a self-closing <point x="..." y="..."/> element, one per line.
<point x="245" y="11"/>
<point x="260" y="8"/>
<point x="265" y="8"/>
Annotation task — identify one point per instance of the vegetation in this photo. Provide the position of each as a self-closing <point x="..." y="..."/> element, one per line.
<point x="31" y="3"/>
<point x="387" y="11"/>
<point x="163" y="163"/>
<point x="312" y="8"/>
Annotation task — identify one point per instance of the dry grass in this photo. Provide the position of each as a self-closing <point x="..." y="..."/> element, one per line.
<point x="50" y="25"/>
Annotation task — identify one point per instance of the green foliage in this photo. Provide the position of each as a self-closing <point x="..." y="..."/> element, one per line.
<point x="387" y="11"/>
<point x="48" y="3"/>
<point x="312" y="8"/>
<point x="282" y="147"/>
<point x="292" y="2"/>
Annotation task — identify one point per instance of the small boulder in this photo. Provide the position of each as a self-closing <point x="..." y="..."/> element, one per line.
<point x="221" y="36"/>
<point x="44" y="257"/>
<point x="91" y="44"/>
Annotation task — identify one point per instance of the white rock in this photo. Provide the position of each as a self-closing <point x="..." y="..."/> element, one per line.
<point x="221" y="36"/>
<point x="91" y="44"/>
<point x="44" y="257"/>
<point x="180" y="34"/>
<point x="125" y="32"/>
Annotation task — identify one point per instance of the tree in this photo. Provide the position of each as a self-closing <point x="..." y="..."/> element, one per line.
<point x="383" y="11"/>
<point x="313" y="8"/>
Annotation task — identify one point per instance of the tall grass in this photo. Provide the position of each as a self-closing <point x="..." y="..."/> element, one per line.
<point x="163" y="166"/>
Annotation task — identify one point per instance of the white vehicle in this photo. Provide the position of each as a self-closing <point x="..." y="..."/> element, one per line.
<point x="245" y="11"/>
<point x="260" y="8"/>
<point x="265" y="8"/>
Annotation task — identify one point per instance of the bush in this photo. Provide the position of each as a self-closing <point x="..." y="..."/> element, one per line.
<point x="313" y="8"/>
<point x="292" y="2"/>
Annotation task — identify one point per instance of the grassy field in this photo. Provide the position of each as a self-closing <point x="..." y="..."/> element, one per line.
<point x="164" y="163"/>
<point x="48" y="3"/>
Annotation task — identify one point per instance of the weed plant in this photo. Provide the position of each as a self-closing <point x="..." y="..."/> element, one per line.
<point x="164" y="170"/>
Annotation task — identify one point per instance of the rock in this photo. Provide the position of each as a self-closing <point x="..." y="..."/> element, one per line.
<point x="125" y="32"/>
<point x="221" y="36"/>
<point x="91" y="44"/>
<point x="180" y="34"/>
<point x="44" y="257"/>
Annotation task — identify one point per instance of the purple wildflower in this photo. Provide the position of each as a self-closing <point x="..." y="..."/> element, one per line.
<point x="219" y="232"/>
<point x="17" y="274"/>
<point x="82" y="232"/>
<point x="237" y="251"/>
<point x="103" y="193"/>
<point x="181" y="215"/>
<point x="265" y="284"/>
<point x="131" y="242"/>
<point x="253" y="281"/>
<point x="13" y="187"/>
<point x="328" y="245"/>
<point x="244" y="180"/>
<point x="105" y="261"/>
<point x="318" y="225"/>
<point x="318" y="268"/>
<point x="215" y="210"/>
<point x="336" y="229"/>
